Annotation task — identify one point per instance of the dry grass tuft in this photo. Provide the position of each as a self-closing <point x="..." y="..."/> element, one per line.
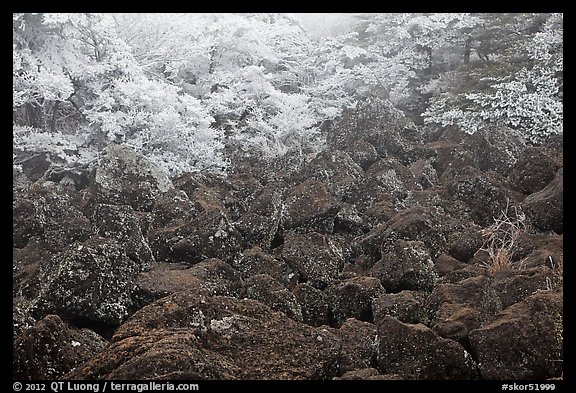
<point x="501" y="239"/>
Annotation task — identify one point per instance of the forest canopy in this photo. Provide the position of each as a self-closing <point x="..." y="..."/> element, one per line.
<point x="186" y="89"/>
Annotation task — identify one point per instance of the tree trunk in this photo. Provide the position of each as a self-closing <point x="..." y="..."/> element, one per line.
<point x="467" y="50"/>
<point x="53" y="120"/>
<point x="34" y="115"/>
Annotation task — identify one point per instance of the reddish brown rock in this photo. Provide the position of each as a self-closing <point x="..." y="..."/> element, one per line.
<point x="270" y="292"/>
<point x="545" y="208"/>
<point x="164" y="279"/>
<point x="523" y="342"/>
<point x="52" y="348"/>
<point x="535" y="169"/>
<point x="406" y="306"/>
<point x="414" y="351"/>
<point x="314" y="303"/>
<point x="445" y="264"/>
<point x="455" y="309"/>
<point x="370" y="374"/>
<point x="314" y="256"/>
<point x="352" y="298"/>
<point x="189" y="335"/>
<point x="311" y="207"/>
<point x="513" y="285"/>
<point x="160" y="355"/>
<point x="408" y="265"/>
<point x="210" y="277"/>
<point x="255" y="261"/>
<point x="358" y="345"/>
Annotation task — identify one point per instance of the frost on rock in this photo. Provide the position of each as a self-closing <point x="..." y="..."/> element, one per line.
<point x="126" y="177"/>
<point x="220" y="325"/>
<point x="407" y="266"/>
<point x="90" y="282"/>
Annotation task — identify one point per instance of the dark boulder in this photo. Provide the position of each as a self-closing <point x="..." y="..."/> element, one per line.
<point x="159" y="355"/>
<point x="259" y="225"/>
<point x="173" y="208"/>
<point x="362" y="153"/>
<point x="120" y="223"/>
<point x="449" y="156"/>
<point x="455" y="309"/>
<point x="535" y="169"/>
<point x="72" y="177"/>
<point x="352" y="298"/>
<point x="348" y="221"/>
<point x="90" y="281"/>
<point x="314" y="256"/>
<point x="464" y="241"/>
<point x="21" y="318"/>
<point x="232" y="191"/>
<point x="496" y="148"/>
<point x="414" y="351"/>
<point x="406" y="306"/>
<point x="163" y="279"/>
<point x="485" y="195"/>
<point x="456" y="321"/>
<point x="188" y="335"/>
<point x="50" y="215"/>
<point x="358" y="345"/>
<point x="206" y="231"/>
<point x="209" y="277"/>
<point x="314" y="304"/>
<point x="334" y="168"/>
<point x="407" y="265"/>
<point x="36" y="166"/>
<point x="254" y="261"/>
<point x="542" y="249"/>
<point x="513" y="286"/>
<point x="523" y="342"/>
<point x="387" y="180"/>
<point x="26" y="264"/>
<point x="52" y="348"/>
<point x="424" y="172"/>
<point x="270" y="292"/>
<point x="218" y="277"/>
<point x="125" y="177"/>
<point x="369" y="374"/>
<point x="445" y="264"/>
<point x="378" y="210"/>
<point x="429" y="225"/>
<point x="545" y="208"/>
<point x="492" y="148"/>
<point x="309" y="206"/>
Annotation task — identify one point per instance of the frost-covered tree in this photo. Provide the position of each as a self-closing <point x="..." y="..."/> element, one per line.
<point x="184" y="88"/>
<point x="388" y="55"/>
<point x="77" y="87"/>
<point x="520" y="87"/>
<point x="248" y="70"/>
